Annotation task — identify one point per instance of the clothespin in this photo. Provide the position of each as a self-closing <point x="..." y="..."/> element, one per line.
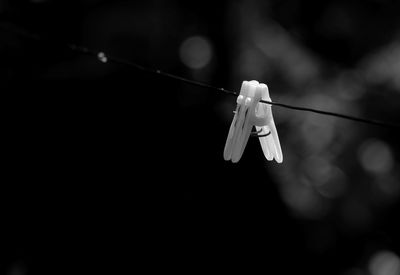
<point x="250" y="112"/>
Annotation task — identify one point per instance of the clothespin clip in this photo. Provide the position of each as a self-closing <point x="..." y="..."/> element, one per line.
<point x="250" y="112"/>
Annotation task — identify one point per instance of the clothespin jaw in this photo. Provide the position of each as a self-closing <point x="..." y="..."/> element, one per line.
<point x="250" y="112"/>
<point x="240" y="127"/>
<point x="237" y="122"/>
<point x="270" y="144"/>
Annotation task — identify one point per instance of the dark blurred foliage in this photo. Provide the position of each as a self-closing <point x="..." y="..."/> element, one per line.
<point x="108" y="169"/>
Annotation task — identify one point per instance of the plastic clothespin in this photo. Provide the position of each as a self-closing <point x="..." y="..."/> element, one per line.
<point x="250" y="112"/>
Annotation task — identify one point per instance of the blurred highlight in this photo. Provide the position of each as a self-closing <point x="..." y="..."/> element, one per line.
<point x="196" y="52"/>
<point x="376" y="156"/>
<point x="384" y="263"/>
<point x="102" y="57"/>
<point x="383" y="66"/>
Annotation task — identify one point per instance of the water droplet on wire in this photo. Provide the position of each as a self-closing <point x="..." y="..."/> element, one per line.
<point x="102" y="57"/>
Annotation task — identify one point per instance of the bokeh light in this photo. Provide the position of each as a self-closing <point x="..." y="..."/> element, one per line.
<point x="285" y="53"/>
<point x="383" y="65"/>
<point x="327" y="179"/>
<point x="384" y="263"/>
<point x="102" y="57"/>
<point x="196" y="52"/>
<point x="376" y="156"/>
<point x="349" y="85"/>
<point x="304" y="201"/>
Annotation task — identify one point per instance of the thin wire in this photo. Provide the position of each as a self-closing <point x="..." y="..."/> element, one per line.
<point x="106" y="58"/>
<point x="208" y="86"/>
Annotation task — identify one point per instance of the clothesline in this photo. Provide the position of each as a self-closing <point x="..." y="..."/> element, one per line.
<point x="105" y="58"/>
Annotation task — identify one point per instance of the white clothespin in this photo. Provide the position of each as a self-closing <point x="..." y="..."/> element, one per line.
<point x="250" y="112"/>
